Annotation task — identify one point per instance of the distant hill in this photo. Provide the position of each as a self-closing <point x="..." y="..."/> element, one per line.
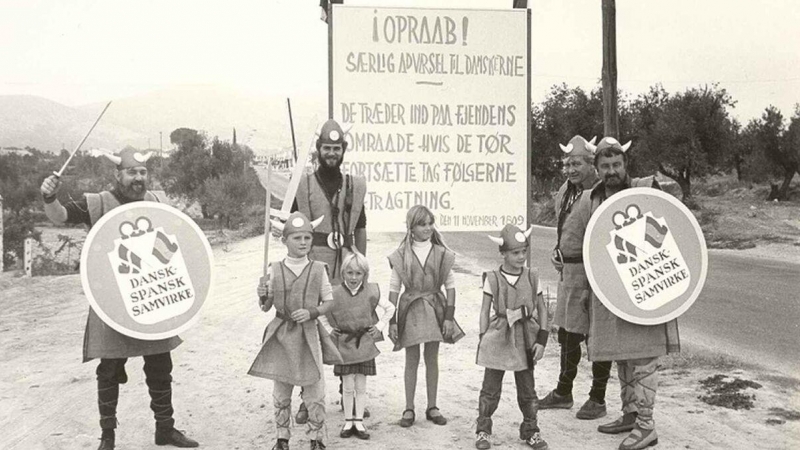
<point x="44" y="124"/>
<point x="261" y="122"/>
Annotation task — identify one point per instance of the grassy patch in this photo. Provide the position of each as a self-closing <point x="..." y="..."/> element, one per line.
<point x="782" y="381"/>
<point x="785" y="414"/>
<point x="727" y="392"/>
<point x="689" y="359"/>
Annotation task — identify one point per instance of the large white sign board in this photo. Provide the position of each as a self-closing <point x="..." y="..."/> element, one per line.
<point x="439" y="102"/>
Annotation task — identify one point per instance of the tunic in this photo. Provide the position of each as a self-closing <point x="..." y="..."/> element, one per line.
<point x="420" y="309"/>
<point x="293" y="352"/>
<point x="503" y="347"/>
<point x="99" y="339"/>
<point x="348" y="202"/>
<point x="612" y="338"/>
<point x="353" y="315"/>
<point x="574" y="291"/>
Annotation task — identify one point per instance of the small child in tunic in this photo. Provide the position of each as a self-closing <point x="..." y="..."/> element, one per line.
<point x="297" y="341"/>
<point x="510" y="337"/>
<point x="423" y="265"/>
<point x="356" y="328"/>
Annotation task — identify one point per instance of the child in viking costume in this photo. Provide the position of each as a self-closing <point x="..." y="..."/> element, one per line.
<point x="356" y="328"/>
<point x="422" y="265"/>
<point x="510" y="337"/>
<point x="297" y="341"/>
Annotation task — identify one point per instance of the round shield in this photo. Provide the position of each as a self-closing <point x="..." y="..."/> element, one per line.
<point x="645" y="256"/>
<point x="146" y="270"/>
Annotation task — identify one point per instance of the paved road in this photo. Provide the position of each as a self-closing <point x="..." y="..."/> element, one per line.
<point x="748" y="309"/>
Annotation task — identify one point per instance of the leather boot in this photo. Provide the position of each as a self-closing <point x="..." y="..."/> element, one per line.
<point x="171" y="436"/>
<point x="107" y="440"/>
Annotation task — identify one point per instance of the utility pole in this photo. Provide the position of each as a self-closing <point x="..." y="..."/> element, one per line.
<point x="610" y="112"/>
<point x="1" y="234"/>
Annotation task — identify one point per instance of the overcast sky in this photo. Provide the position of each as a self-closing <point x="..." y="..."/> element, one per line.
<point x="82" y="51"/>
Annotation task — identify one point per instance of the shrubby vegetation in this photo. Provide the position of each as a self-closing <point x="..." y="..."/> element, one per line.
<point x="216" y="175"/>
<point x="683" y="135"/>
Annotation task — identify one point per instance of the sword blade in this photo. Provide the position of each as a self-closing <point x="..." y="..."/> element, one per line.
<point x="294" y="183"/>
<point x="78" y="147"/>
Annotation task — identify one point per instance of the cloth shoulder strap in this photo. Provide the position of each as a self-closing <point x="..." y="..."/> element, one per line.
<point x="496" y="286"/>
<point x="302" y="197"/>
<point x="99" y="204"/>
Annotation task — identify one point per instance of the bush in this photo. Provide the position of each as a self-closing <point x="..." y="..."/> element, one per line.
<point x="16" y="229"/>
<point x="545" y="214"/>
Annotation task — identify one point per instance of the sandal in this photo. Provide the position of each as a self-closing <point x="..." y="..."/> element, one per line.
<point x="405" y="422"/>
<point x="438" y="419"/>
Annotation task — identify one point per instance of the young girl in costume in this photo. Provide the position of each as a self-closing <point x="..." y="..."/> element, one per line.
<point x="422" y="265"/>
<point x="510" y="337"/>
<point x="356" y="327"/>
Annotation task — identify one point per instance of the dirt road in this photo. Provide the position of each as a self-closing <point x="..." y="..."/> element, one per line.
<point x="47" y="397"/>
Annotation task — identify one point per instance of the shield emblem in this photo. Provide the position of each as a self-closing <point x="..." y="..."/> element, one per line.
<point x="151" y="274"/>
<point x="647" y="259"/>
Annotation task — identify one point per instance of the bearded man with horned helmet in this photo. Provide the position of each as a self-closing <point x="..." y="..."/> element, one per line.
<point x="339" y="198"/>
<point x="636" y="348"/>
<point x="572" y="309"/>
<point x="102" y="341"/>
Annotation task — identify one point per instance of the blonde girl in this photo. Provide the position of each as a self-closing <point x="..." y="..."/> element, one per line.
<point x="357" y="326"/>
<point x="422" y="267"/>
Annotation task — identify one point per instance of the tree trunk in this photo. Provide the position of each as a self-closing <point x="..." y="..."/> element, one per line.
<point x="610" y="113"/>
<point x="737" y="162"/>
<point x="782" y="193"/>
<point x="683" y="178"/>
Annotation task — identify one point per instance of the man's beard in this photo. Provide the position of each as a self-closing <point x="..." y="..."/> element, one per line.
<point x="329" y="165"/>
<point x="135" y="190"/>
<point x="613" y="180"/>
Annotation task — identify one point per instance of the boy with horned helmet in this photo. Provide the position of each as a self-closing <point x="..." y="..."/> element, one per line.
<point x="297" y="341"/>
<point x="510" y="337"/>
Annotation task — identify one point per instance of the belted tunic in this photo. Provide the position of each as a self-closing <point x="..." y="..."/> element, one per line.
<point x="293" y="352"/>
<point x="502" y="347"/>
<point x="612" y="338"/>
<point x="99" y="339"/>
<point x="341" y="213"/>
<point x="353" y="315"/>
<point x="574" y="291"/>
<point x="420" y="309"/>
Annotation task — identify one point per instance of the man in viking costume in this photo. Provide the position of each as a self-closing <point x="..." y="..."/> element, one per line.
<point x="102" y="341"/>
<point x="635" y="348"/>
<point x="572" y="310"/>
<point x="297" y="341"/>
<point x="339" y="199"/>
